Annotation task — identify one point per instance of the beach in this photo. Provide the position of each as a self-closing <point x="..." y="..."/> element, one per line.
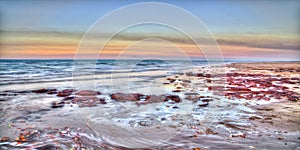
<point x="150" y="105"/>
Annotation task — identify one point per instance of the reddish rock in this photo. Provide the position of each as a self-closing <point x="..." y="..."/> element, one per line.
<point x="88" y="101"/>
<point x="189" y="74"/>
<point x="171" y="80"/>
<point x="43" y="90"/>
<point x="87" y="93"/>
<point x="68" y="98"/>
<point x="277" y="96"/>
<point x="209" y="131"/>
<point x="238" y="89"/>
<point x="249" y="97"/>
<point x="126" y="97"/>
<point x="21" y="138"/>
<point x="65" y="93"/>
<point x="208" y="75"/>
<point x="216" y="88"/>
<point x="155" y="98"/>
<point x="174" y="98"/>
<point x="85" y="99"/>
<point x="193" y="98"/>
<point x="208" y="80"/>
<point x="206" y="99"/>
<point x="5" y="139"/>
<point x="293" y="97"/>
<point x="176" y="91"/>
<point x="200" y="75"/>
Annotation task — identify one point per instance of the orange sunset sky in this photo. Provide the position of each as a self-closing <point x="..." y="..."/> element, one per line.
<point x="246" y="30"/>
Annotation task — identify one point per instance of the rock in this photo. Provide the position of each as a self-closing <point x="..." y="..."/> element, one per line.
<point x="103" y="102"/>
<point x="208" y="75"/>
<point x="238" y="135"/>
<point x="208" y="80"/>
<point x="155" y="98"/>
<point x="190" y="74"/>
<point x="206" y="99"/>
<point x="175" y="107"/>
<point x="87" y="93"/>
<point x="200" y="75"/>
<point x="43" y="90"/>
<point x="52" y="91"/>
<point x="193" y="98"/>
<point x="65" y="93"/>
<point x="174" y="98"/>
<point x="126" y="97"/>
<point x="216" y="88"/>
<point x="88" y="101"/>
<point x="293" y="97"/>
<point x="254" y="117"/>
<point x="80" y="99"/>
<point x="68" y="98"/>
<point x="176" y="91"/>
<point x="21" y="138"/>
<point x="5" y="139"/>
<point x="171" y="80"/>
<point x="191" y="93"/>
<point x="186" y="81"/>
<point x="144" y="123"/>
<point x="8" y="94"/>
<point x="239" y="89"/>
<point x="57" y="104"/>
<point x="203" y="104"/>
<point x="209" y="131"/>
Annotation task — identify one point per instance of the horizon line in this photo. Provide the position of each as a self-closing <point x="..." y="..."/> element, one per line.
<point x="225" y="60"/>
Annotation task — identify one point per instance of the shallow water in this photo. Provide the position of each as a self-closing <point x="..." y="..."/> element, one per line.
<point x="126" y="125"/>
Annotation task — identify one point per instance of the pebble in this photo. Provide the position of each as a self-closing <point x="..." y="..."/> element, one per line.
<point x="57" y="104"/>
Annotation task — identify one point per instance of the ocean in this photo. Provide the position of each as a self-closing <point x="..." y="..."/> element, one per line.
<point x="39" y="71"/>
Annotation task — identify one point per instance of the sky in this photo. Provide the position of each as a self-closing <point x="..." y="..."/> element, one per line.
<point x="244" y="30"/>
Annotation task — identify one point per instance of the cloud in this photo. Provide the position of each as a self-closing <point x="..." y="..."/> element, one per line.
<point x="254" y="42"/>
<point x="65" y="43"/>
<point x="261" y="44"/>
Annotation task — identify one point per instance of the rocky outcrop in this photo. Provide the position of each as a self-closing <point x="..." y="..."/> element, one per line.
<point x="126" y="96"/>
